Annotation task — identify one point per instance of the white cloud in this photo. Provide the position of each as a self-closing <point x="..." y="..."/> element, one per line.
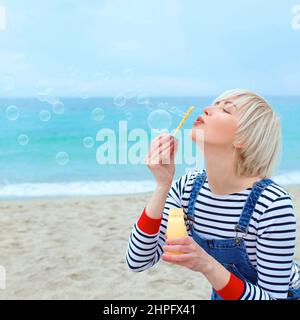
<point x="296" y="17"/>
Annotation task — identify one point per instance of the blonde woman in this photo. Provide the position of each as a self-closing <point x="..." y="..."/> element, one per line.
<point x="241" y="224"/>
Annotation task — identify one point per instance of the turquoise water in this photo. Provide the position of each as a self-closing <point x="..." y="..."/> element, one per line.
<point x="33" y="170"/>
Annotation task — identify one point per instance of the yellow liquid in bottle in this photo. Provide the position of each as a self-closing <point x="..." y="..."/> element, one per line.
<point x="176" y="226"/>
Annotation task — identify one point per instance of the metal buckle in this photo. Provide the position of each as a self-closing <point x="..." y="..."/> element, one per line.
<point x="241" y="231"/>
<point x="290" y="294"/>
<point x="190" y="221"/>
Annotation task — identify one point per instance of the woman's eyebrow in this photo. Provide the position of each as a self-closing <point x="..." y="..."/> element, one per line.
<point x="231" y="103"/>
<point x="226" y="102"/>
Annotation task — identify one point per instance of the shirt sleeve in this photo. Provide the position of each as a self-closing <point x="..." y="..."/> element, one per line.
<point x="275" y="248"/>
<point x="148" y="235"/>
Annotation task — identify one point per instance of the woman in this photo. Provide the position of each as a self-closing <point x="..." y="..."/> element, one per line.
<point x="241" y="224"/>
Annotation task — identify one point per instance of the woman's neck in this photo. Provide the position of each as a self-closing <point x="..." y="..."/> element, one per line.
<point x="221" y="172"/>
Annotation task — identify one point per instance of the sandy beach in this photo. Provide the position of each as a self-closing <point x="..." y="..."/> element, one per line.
<point x="74" y="248"/>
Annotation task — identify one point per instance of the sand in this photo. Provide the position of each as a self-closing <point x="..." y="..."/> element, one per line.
<point x="74" y="248"/>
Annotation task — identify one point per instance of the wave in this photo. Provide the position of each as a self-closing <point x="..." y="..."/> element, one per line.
<point x="80" y="188"/>
<point x="288" y="178"/>
<point x="99" y="188"/>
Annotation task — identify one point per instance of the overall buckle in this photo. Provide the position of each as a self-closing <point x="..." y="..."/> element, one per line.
<point x="237" y="229"/>
<point x="190" y="221"/>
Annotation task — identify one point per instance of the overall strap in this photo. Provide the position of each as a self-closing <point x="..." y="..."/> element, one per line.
<point x="198" y="183"/>
<point x="249" y="206"/>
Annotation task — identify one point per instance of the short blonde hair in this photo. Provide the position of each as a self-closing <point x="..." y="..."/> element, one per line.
<point x="259" y="131"/>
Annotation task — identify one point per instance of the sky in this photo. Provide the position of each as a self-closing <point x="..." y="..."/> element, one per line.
<point x="157" y="47"/>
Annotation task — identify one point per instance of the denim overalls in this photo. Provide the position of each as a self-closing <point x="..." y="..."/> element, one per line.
<point x="231" y="253"/>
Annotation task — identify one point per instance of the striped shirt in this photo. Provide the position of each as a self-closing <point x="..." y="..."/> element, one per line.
<point x="270" y="241"/>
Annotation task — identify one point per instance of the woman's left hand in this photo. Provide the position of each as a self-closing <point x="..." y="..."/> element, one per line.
<point x="192" y="255"/>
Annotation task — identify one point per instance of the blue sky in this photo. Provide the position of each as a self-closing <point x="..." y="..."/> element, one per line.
<point x="157" y="47"/>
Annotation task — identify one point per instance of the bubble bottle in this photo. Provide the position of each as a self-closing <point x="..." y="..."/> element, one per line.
<point x="176" y="225"/>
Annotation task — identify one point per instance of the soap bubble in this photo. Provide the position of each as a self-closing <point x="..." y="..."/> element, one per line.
<point x="51" y="99"/>
<point x="62" y="158"/>
<point x="129" y="94"/>
<point x="41" y="85"/>
<point x="128" y="74"/>
<point x="23" y="139"/>
<point x="142" y="99"/>
<point x="58" y="107"/>
<point x="88" y="142"/>
<point x="44" y="91"/>
<point x="45" y="94"/>
<point x="177" y="111"/>
<point x="128" y="115"/>
<point x="98" y="114"/>
<point x="7" y="83"/>
<point x="101" y="75"/>
<point x="149" y="106"/>
<point x="73" y="71"/>
<point x="119" y="100"/>
<point x="44" y="115"/>
<point x="163" y="105"/>
<point x="12" y="112"/>
<point x="71" y="84"/>
<point x="159" y="120"/>
<point x="84" y="93"/>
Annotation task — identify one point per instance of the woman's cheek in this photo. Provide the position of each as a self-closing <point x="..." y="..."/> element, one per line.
<point x="226" y="133"/>
<point x="219" y="133"/>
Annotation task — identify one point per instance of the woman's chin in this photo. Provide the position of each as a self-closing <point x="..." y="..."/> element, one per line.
<point x="197" y="134"/>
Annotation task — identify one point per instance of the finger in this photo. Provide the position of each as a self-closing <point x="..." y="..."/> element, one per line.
<point x="160" y="138"/>
<point x="165" y="143"/>
<point x="178" y="248"/>
<point x="167" y="156"/>
<point x="153" y="155"/>
<point x="182" y="240"/>
<point x="176" y="145"/>
<point x="164" y="150"/>
<point x="173" y="150"/>
<point x="158" y="144"/>
<point x="178" y="258"/>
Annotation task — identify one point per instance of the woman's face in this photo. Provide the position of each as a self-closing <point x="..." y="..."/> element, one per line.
<point x="218" y="125"/>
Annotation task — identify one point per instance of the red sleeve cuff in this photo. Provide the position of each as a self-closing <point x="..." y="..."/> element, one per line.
<point x="233" y="289"/>
<point x="147" y="224"/>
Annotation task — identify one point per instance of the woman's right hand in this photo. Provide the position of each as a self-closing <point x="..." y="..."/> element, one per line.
<point x="160" y="158"/>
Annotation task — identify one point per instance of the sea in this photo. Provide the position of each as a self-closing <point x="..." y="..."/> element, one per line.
<point x="96" y="146"/>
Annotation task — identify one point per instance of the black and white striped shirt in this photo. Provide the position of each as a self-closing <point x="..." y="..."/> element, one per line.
<point x="270" y="241"/>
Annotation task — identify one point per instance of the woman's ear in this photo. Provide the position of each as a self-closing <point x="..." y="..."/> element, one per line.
<point x="239" y="146"/>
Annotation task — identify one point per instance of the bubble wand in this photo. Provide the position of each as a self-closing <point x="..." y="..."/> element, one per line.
<point x="183" y="120"/>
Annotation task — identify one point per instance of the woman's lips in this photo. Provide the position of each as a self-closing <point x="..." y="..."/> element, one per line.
<point x="199" y="120"/>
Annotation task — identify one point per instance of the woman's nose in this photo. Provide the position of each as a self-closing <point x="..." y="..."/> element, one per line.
<point x="207" y="110"/>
